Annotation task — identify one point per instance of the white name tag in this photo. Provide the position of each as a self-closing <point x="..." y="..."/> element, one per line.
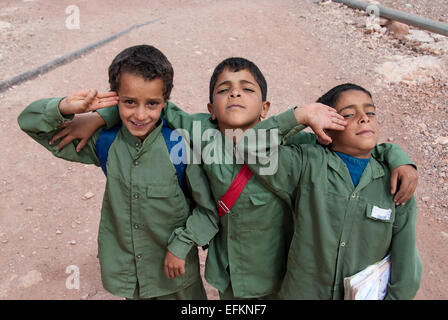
<point x="381" y="214"/>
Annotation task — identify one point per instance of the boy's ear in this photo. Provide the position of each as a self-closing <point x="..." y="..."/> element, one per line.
<point x="265" y="109"/>
<point x="210" y="109"/>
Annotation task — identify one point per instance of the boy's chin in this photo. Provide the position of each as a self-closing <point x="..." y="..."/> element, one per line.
<point x="239" y="125"/>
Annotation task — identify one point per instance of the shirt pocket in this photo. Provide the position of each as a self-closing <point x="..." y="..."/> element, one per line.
<point x="166" y="204"/>
<point x="260" y="211"/>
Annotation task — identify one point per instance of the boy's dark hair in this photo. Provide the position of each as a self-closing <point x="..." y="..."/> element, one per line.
<point x="236" y="64"/>
<point x="145" y="61"/>
<point x="331" y="97"/>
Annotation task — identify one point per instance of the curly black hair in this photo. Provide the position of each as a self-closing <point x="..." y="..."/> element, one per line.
<point x="145" y="61"/>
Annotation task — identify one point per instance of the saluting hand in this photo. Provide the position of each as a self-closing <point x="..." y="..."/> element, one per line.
<point x="87" y="100"/>
<point x="320" y="117"/>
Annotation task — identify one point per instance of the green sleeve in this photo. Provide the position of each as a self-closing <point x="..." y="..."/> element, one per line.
<point x="202" y="224"/>
<point x="40" y="120"/>
<point x="110" y="115"/>
<point x="290" y="132"/>
<point x="176" y="118"/>
<point x="406" y="266"/>
<point x="392" y="154"/>
<point x="276" y="166"/>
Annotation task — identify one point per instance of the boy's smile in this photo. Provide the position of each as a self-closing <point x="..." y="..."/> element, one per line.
<point x="140" y="105"/>
<point x="361" y="133"/>
<point x="237" y="101"/>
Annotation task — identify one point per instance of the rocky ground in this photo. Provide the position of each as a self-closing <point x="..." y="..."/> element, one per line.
<point x="49" y="208"/>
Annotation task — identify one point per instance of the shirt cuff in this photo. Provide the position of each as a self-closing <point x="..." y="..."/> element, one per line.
<point x="178" y="247"/>
<point x="110" y="116"/>
<point x="53" y="114"/>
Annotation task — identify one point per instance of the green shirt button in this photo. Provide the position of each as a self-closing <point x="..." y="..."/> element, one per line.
<point x="136" y="195"/>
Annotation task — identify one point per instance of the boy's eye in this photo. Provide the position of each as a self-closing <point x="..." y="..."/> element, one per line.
<point x="371" y="114"/>
<point x="349" y="115"/>
<point x="128" y="101"/>
<point x="153" y="103"/>
<point x="249" y="89"/>
<point x="222" y="90"/>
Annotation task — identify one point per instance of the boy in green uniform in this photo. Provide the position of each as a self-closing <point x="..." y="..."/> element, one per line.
<point x="345" y="217"/>
<point x="149" y="229"/>
<point x="247" y="257"/>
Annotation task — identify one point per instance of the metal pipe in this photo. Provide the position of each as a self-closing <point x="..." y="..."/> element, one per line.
<point x="392" y="14"/>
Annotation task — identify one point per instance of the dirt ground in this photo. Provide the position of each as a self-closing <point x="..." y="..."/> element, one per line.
<point x="303" y="49"/>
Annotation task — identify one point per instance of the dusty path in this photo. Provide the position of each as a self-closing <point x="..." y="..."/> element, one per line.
<point x="302" y="48"/>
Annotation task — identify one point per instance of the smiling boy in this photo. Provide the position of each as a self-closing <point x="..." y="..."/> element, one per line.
<point x="149" y="229"/>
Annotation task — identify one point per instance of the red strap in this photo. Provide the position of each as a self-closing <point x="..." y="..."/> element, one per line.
<point x="229" y="198"/>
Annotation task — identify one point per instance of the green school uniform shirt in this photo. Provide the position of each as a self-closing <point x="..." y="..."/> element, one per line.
<point x="338" y="229"/>
<point x="144" y="211"/>
<point x="250" y="249"/>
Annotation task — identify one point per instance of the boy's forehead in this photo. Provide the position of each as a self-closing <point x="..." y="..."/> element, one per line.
<point x="133" y="84"/>
<point x="353" y="98"/>
<point x="232" y="75"/>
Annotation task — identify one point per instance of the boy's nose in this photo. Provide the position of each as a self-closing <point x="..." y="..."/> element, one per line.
<point x="364" y="118"/>
<point x="140" y="113"/>
<point x="235" y="93"/>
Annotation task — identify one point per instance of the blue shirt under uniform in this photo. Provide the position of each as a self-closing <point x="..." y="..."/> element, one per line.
<point x="355" y="166"/>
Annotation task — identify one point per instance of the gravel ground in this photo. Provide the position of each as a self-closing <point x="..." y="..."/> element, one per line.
<point x="302" y="47"/>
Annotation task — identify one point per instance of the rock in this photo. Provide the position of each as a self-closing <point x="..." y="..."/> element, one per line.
<point x="58" y="231"/>
<point x="32" y="278"/>
<point x="5" y="25"/>
<point x="88" y="195"/>
<point x="383" y="21"/>
<point x="72" y="242"/>
<point x="29" y="209"/>
<point x="398" y="29"/>
<point x="442" y="140"/>
<point x="420" y="36"/>
<point x="426" y="198"/>
<point x="414" y="70"/>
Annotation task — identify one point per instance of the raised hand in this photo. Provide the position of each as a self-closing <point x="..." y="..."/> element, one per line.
<point x="87" y="100"/>
<point x="82" y="127"/>
<point x="320" y="117"/>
